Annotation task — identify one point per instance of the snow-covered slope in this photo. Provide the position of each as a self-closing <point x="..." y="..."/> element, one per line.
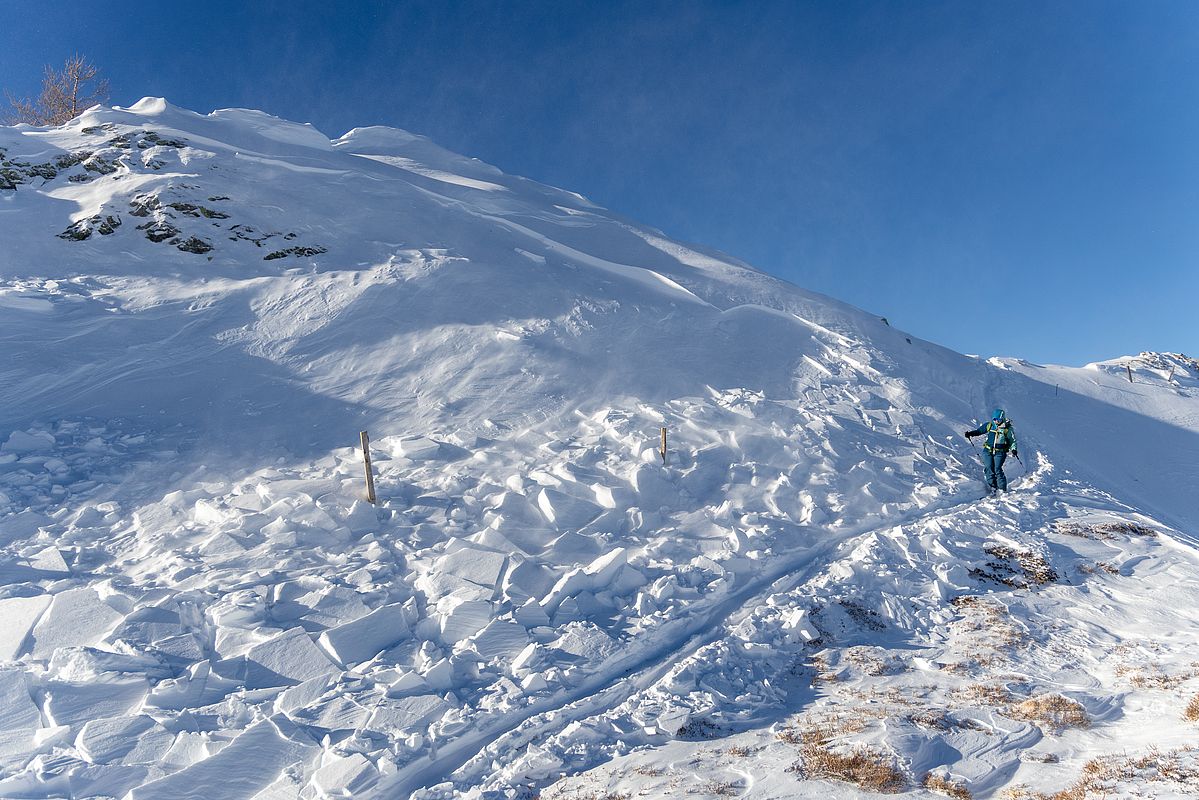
<point x="199" y="313"/>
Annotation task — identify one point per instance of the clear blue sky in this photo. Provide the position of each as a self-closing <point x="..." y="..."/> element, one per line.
<point x="1005" y="178"/>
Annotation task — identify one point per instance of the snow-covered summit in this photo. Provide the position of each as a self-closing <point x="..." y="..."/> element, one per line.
<point x="198" y="313"/>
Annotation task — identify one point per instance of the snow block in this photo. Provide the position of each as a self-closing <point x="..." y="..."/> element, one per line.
<point x="21" y="442"/>
<point x="462" y="618"/>
<point x="244" y="767"/>
<point x="603" y="570"/>
<point x="50" y="560"/>
<point x="394" y="715"/>
<point x="482" y="567"/>
<point x="75" y="617"/>
<point x="366" y="637"/>
<point x="17" y="616"/>
<point x="564" y="511"/>
<point x="78" y="703"/>
<point x="798" y="627"/>
<point x="289" y="658"/>
<point x="124" y="740"/>
<point x="500" y="639"/>
<point x="416" y="448"/>
<point x="17" y="711"/>
<point x="345" y="777"/>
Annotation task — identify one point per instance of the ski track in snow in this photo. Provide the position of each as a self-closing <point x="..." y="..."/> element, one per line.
<point x="196" y="601"/>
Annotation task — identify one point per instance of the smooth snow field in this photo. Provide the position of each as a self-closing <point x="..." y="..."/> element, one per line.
<point x="811" y="596"/>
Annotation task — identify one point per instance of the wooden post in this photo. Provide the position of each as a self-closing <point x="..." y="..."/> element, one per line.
<point x="1055" y="390"/>
<point x="1129" y="368"/>
<point x="370" y="476"/>
<point x="1171" y="373"/>
<point x="663" y="446"/>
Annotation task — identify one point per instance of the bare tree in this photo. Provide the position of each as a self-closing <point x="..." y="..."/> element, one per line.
<point x="66" y="93"/>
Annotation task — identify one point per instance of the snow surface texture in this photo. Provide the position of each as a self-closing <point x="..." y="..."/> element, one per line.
<point x="199" y="313"/>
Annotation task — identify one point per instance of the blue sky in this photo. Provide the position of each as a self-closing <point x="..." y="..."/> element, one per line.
<point x="1009" y="178"/>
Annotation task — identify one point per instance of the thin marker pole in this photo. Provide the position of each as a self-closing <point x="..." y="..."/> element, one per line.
<point x="370" y="476"/>
<point x="663" y="445"/>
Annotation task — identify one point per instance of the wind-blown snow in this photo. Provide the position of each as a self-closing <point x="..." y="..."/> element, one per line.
<point x="198" y="313"/>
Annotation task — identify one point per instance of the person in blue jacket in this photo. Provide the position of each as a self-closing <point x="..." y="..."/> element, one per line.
<point x="1001" y="440"/>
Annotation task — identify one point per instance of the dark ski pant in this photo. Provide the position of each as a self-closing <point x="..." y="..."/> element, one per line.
<point x="993" y="469"/>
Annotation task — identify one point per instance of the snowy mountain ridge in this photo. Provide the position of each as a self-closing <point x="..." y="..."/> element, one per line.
<point x="198" y="313"/>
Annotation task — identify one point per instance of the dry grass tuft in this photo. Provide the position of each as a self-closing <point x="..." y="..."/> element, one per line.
<point x="947" y="786"/>
<point x="1154" y="676"/>
<point x="739" y="750"/>
<point x="1103" y="531"/>
<point x="983" y="694"/>
<point x="1052" y="711"/>
<point x="1102" y="777"/>
<point x="864" y="767"/>
<point x="1019" y="569"/>
<point x="719" y="789"/>
<point x="1191" y="712"/>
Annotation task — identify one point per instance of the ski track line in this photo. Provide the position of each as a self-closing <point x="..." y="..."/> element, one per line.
<point x="698" y="630"/>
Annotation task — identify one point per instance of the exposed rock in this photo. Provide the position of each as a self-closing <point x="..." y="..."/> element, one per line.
<point x="303" y="252"/>
<point x="159" y="231"/>
<point x="194" y="245"/>
<point x="84" y="228"/>
<point x="143" y="204"/>
<point x="99" y="165"/>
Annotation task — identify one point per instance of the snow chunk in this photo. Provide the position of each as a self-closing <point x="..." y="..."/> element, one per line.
<point x="289" y="658"/>
<point x="365" y="637"/>
<point x="17" y="616"/>
<point x="345" y="777"/>
<point x="75" y="617"/>
<point x="17" y="710"/>
<point x="462" y="618"/>
<point x="566" y="511"/>
<point x="416" y="448"/>
<point x="799" y="627"/>
<point x="49" y="560"/>
<point x="500" y="639"/>
<point x="250" y="763"/>
<point x="405" y="713"/>
<point x="21" y="442"/>
<point x="479" y="566"/>
<point x="77" y="703"/>
<point x="124" y="740"/>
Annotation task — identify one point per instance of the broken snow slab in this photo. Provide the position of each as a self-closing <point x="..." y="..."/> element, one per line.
<point x="17" y="710"/>
<point x="124" y="740"/>
<point x="367" y="636"/>
<point x="404" y="714"/>
<point x="78" y="702"/>
<point x="462" y="618"/>
<point x="17" y="616"/>
<point x="471" y="563"/>
<point x="500" y="639"/>
<point x="289" y="658"/>
<point x="564" y="511"/>
<point x="50" y="561"/>
<point x="345" y="777"/>
<point x="415" y="448"/>
<point x="244" y="767"/>
<point x="75" y="617"/>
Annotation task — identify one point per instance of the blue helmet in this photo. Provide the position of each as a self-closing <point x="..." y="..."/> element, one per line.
<point x="999" y="415"/>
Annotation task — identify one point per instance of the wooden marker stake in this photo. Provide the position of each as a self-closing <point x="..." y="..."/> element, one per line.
<point x="370" y="476"/>
<point x="1171" y="374"/>
<point x="1129" y="368"/>
<point x="663" y="445"/>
